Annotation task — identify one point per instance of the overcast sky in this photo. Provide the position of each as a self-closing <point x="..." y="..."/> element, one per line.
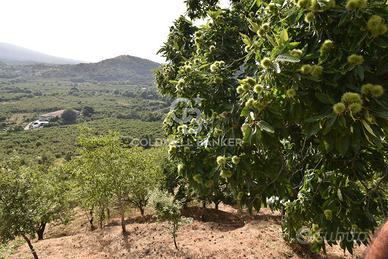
<point x="89" y="30"/>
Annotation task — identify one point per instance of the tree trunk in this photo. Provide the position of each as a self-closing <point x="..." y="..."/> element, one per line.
<point x="176" y="246"/>
<point x="91" y="220"/>
<point x="217" y="205"/>
<point x="204" y="204"/>
<point x="31" y="247"/>
<point x="108" y="213"/>
<point x="123" y="221"/>
<point x="41" y="230"/>
<point x="141" y="211"/>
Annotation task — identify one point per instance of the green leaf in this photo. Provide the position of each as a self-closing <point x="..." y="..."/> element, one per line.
<point x="246" y="39"/>
<point x="283" y="36"/>
<point x="339" y="194"/>
<point x="342" y="144"/>
<point x="368" y="127"/>
<point x="324" y="98"/>
<point x="287" y="58"/>
<point x="265" y="126"/>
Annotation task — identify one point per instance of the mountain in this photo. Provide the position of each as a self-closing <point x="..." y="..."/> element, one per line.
<point x="129" y="69"/>
<point x="12" y="54"/>
<point x="122" y="68"/>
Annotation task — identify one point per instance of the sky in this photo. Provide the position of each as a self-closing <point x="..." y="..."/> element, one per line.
<point x="89" y="30"/>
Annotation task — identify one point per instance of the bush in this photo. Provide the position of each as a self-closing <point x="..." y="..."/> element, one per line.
<point x="168" y="209"/>
<point x="69" y="116"/>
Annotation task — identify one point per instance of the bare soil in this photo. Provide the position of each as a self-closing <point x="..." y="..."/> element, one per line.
<point x="226" y="233"/>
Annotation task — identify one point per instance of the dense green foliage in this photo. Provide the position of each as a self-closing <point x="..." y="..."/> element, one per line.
<point x="302" y="83"/>
<point x="107" y="174"/>
<point x="30" y="197"/>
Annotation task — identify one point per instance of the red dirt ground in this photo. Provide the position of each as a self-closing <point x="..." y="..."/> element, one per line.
<point x="220" y="234"/>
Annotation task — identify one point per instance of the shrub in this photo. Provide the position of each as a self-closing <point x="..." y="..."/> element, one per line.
<point x="168" y="209"/>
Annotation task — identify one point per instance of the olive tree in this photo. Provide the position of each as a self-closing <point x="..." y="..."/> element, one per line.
<point x="302" y="84"/>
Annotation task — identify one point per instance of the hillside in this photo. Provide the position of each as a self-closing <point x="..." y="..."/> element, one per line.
<point x="121" y="68"/>
<point x="12" y="54"/>
<point x="129" y="69"/>
<point x="224" y="234"/>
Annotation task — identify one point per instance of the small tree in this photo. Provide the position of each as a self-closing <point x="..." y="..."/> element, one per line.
<point x="145" y="175"/>
<point x="168" y="209"/>
<point x="69" y="116"/>
<point x="27" y="201"/>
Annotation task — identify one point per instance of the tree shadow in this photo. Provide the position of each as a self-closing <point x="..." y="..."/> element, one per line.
<point x="223" y="221"/>
<point x="132" y="220"/>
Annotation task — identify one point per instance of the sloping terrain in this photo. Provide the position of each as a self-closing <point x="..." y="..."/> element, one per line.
<point x="222" y="234"/>
<point x="12" y="54"/>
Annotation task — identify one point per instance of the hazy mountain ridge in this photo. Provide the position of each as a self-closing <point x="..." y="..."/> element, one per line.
<point x="11" y="54"/>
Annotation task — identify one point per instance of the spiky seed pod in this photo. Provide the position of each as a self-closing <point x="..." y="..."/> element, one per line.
<point x="355" y="108"/>
<point x="172" y="149"/>
<point x="257" y="88"/>
<point x="309" y="17"/>
<point x="374" y="21"/>
<point x="376" y="26"/>
<point x="250" y="81"/>
<point x="352" y="5"/>
<point x="240" y="89"/>
<point x="188" y="69"/>
<point x="326" y="46"/>
<point x="306" y="69"/>
<point x="182" y="129"/>
<point x="236" y="160"/>
<point x="377" y="90"/>
<point x="355" y="60"/>
<point x="272" y="8"/>
<point x="366" y="89"/>
<point x="291" y="93"/>
<point x="246" y="87"/>
<point x="226" y="174"/>
<point x="265" y="26"/>
<point x="266" y="63"/>
<point x="296" y="53"/>
<point x="315" y="227"/>
<point x="250" y="103"/>
<point x="261" y="32"/>
<point x="350" y="97"/>
<point x="328" y="214"/>
<point x="218" y="80"/>
<point x="339" y="108"/>
<point x="221" y="160"/>
<point x="317" y="71"/>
